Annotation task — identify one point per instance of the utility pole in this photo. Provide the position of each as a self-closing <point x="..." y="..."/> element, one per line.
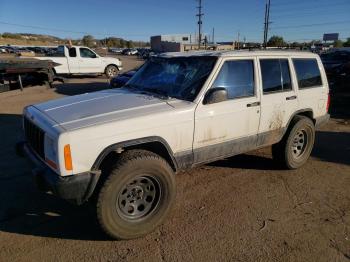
<point x="200" y="14"/>
<point x="213" y="40"/>
<point x="267" y="21"/>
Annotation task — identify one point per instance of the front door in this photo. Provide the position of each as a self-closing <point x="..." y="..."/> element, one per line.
<point x="89" y="61"/>
<point x="229" y="127"/>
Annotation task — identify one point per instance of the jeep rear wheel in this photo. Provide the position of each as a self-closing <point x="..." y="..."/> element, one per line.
<point x="296" y="146"/>
<point x="137" y="195"/>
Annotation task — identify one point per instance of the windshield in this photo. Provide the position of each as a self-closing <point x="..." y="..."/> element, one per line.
<point x="177" y="77"/>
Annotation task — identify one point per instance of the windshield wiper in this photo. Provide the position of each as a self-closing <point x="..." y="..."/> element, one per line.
<point x="162" y="93"/>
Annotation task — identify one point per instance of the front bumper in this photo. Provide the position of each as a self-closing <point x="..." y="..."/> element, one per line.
<point x="75" y="188"/>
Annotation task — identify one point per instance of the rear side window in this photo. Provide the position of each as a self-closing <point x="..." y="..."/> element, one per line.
<point x="237" y="77"/>
<point x="308" y="73"/>
<point x="72" y="52"/>
<point x="275" y="75"/>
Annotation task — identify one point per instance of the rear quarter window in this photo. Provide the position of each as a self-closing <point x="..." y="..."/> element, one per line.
<point x="307" y="72"/>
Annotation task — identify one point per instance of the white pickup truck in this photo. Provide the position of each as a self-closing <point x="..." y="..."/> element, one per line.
<point x="121" y="148"/>
<point x="82" y="60"/>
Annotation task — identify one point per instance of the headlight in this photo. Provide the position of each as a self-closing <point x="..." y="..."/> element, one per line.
<point x="50" y="147"/>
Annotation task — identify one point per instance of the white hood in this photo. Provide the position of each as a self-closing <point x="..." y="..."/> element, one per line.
<point x="101" y="107"/>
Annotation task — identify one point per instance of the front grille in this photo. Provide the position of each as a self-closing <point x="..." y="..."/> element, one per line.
<point x="35" y="137"/>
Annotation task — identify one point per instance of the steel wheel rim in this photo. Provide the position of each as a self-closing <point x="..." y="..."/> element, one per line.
<point x="138" y="198"/>
<point x="299" y="143"/>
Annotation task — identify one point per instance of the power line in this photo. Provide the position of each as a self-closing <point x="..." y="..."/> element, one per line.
<point x="311" y="25"/>
<point x="292" y="3"/>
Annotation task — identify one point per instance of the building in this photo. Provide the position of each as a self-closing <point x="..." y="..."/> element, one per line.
<point x="172" y="43"/>
<point x="184" y="42"/>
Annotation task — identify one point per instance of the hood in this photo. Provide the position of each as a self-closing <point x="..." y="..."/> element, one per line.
<point x="101" y="107"/>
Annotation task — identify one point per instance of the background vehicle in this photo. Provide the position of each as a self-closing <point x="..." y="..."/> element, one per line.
<point x="82" y="60"/>
<point x="337" y="66"/>
<point x="129" y="51"/>
<point x="115" y="50"/>
<point x="3" y="49"/>
<point x="122" y="79"/>
<point x="178" y="111"/>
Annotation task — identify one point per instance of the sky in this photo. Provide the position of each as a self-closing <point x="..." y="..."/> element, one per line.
<point x="295" y="20"/>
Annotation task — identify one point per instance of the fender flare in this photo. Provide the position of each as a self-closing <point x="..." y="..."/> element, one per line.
<point x="298" y="112"/>
<point x="134" y="142"/>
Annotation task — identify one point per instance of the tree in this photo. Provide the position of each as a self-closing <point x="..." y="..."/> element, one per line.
<point x="276" y="41"/>
<point x="88" y="40"/>
<point x="338" y="43"/>
<point x="347" y="43"/>
<point x="129" y="44"/>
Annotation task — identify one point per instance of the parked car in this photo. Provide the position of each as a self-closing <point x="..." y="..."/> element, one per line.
<point x="25" y="51"/>
<point x="116" y="50"/>
<point x="120" y="80"/>
<point x="11" y="49"/>
<point x="3" y="49"/>
<point x="82" y="60"/>
<point x="124" y="146"/>
<point x="129" y="51"/>
<point x="337" y="66"/>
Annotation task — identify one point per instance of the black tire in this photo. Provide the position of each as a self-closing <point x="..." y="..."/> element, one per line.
<point x="140" y="178"/>
<point x="111" y="71"/>
<point x="295" y="148"/>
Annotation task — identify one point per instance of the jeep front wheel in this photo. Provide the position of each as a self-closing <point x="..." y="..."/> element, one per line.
<point x="137" y="195"/>
<point x="296" y="146"/>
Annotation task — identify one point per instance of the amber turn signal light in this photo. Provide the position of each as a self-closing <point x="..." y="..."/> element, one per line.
<point x="68" y="158"/>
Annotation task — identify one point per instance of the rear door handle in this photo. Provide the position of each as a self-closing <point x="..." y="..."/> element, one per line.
<point x="291" y="97"/>
<point x="253" y="104"/>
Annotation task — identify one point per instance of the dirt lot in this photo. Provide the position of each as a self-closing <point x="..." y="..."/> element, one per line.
<point x="239" y="209"/>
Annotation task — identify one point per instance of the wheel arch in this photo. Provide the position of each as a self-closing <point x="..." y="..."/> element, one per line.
<point x="153" y="144"/>
<point x="111" y="65"/>
<point x="308" y="112"/>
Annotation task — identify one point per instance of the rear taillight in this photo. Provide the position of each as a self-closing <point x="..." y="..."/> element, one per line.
<point x="328" y="102"/>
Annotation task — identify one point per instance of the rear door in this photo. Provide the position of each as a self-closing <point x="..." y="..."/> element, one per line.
<point x="279" y="100"/>
<point x="73" y="60"/>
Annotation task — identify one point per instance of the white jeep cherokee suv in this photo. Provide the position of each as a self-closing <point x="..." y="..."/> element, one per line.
<point x="121" y="148"/>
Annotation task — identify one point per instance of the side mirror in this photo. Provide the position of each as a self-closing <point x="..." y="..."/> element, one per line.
<point x="215" y="95"/>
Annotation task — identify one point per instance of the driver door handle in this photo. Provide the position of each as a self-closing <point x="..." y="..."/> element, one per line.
<point x="253" y="104"/>
<point x="291" y="97"/>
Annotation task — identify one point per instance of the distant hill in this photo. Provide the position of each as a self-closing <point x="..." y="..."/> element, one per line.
<point x="40" y="39"/>
<point x="29" y="39"/>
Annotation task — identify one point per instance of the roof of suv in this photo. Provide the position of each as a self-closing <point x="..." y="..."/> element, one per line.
<point x="239" y="53"/>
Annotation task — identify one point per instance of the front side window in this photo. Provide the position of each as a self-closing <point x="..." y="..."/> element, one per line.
<point x="308" y="73"/>
<point x="177" y="77"/>
<point x="275" y="75"/>
<point x="237" y="77"/>
<point x="87" y="53"/>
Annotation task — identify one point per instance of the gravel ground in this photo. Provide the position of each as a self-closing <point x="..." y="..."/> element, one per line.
<point x="239" y="209"/>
